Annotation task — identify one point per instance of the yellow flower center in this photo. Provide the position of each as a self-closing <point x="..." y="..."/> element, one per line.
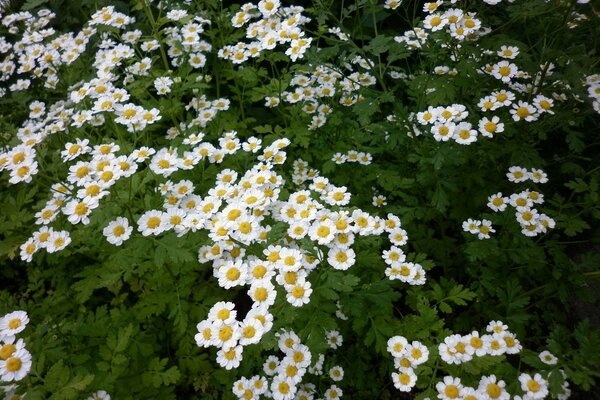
<point x="404" y="379"/>
<point x="223" y="314"/>
<point x="233" y="274"/>
<point x="290" y="278"/>
<point x="504" y="71"/>
<point x="261" y="294"/>
<point x="493" y="390"/>
<point x="522" y="112"/>
<point x="118" y="230"/>
<point x="74" y="149"/>
<point x="249" y="332"/>
<point x="451" y="391"/>
<point x="533" y="386"/>
<point x="164" y="163"/>
<point x="153" y="222"/>
<point x="283" y="387"/>
<point x="13" y="364"/>
<point x="435" y="21"/>
<point x="81" y="209"/>
<point x="7" y="350"/>
<point x="225" y="333"/>
<point x="341" y="257"/>
<point x="298" y="292"/>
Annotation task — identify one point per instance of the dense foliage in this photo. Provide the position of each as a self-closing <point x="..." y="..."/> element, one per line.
<point x="326" y="199"/>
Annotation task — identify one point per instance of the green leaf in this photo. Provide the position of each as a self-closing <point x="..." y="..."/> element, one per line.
<point x="31" y="4"/>
<point x="57" y="377"/>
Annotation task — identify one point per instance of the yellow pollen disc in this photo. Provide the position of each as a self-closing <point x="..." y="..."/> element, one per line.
<point x="130" y="113"/>
<point x="289" y="261"/>
<point x="74" y="149"/>
<point x="533" y="385"/>
<point x="225" y="333"/>
<point x="118" y="230"/>
<point x="298" y="357"/>
<point x="291" y="370"/>
<point x="230" y="355"/>
<point x="245" y="227"/>
<point x="22" y="171"/>
<point x="259" y="271"/>
<point x="233" y="274"/>
<point x="13" y="364"/>
<point x="493" y="390"/>
<point x="476" y="342"/>
<point x="451" y="391"/>
<point x="290" y="278"/>
<point x="223" y="314"/>
<point x="82" y="171"/>
<point x="283" y="388"/>
<point x="298" y="292"/>
<point x="404" y="379"/>
<point x="504" y="71"/>
<point x="341" y="257"/>
<point x="106" y="176"/>
<point x="92" y="190"/>
<point x="416" y="353"/>
<point x="249" y="332"/>
<point x="522" y="112"/>
<point x="323" y="231"/>
<point x="153" y="222"/>
<point x="30" y="249"/>
<point x="7" y="350"/>
<point x="261" y="294"/>
<point x="81" y="209"/>
<point x="233" y="215"/>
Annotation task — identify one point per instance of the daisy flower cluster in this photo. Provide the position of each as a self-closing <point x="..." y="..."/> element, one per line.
<point x="352" y="156"/>
<point x="236" y="213"/>
<point x="448" y="123"/>
<point x="532" y="222"/>
<point x="15" y="360"/>
<point x="317" y="90"/>
<point x="35" y="51"/>
<point x="455" y="22"/>
<point x="490" y="387"/>
<point x="398" y="267"/>
<point x="271" y="25"/>
<point x="107" y="16"/>
<point x="550" y="359"/>
<point x="283" y="380"/>
<point x="458" y="349"/>
<point x="461" y="26"/>
<point x="482" y="228"/>
<point x="521" y="82"/>
<point x="184" y="41"/>
<point x="407" y="357"/>
<point x="93" y="172"/>
<point x="593" y="88"/>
